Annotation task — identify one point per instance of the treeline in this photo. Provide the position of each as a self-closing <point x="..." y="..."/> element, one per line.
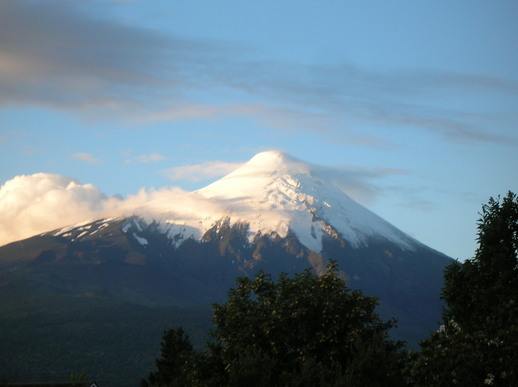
<point x="315" y="331"/>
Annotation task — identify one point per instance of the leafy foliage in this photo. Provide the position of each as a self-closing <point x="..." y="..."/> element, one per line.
<point x="477" y="343"/>
<point x="305" y="330"/>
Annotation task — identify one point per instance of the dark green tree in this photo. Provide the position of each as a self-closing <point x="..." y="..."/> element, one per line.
<point x="305" y="330"/>
<point x="174" y="367"/>
<point x="477" y="344"/>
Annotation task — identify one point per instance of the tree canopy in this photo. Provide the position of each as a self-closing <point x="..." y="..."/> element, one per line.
<point x="477" y="344"/>
<point x="296" y="325"/>
<point x="301" y="331"/>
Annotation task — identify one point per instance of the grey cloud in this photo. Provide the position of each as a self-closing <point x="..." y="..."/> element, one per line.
<point x="337" y="98"/>
<point x="58" y="53"/>
<point x="63" y="55"/>
<point x="359" y="182"/>
<point x="394" y="98"/>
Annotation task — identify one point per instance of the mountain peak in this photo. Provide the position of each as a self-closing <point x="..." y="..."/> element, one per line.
<point x="270" y="155"/>
<point x="262" y="174"/>
<point x="270" y="163"/>
<point x="272" y="158"/>
<point x="276" y="192"/>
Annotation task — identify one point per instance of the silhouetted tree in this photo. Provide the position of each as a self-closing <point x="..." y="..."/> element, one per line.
<point x="477" y="344"/>
<point x="174" y="367"/>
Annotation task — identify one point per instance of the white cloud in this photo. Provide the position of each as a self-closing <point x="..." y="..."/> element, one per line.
<point x="86" y="157"/>
<point x="145" y="159"/>
<point x="33" y="204"/>
<point x="41" y="202"/>
<point x="201" y="171"/>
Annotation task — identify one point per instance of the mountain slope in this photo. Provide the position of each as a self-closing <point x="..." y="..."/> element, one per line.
<point x="275" y="213"/>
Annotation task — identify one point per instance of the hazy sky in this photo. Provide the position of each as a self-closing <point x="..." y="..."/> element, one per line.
<point x="417" y="101"/>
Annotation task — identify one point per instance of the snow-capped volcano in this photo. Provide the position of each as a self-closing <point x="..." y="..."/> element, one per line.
<point x="276" y="192"/>
<point x="273" y="194"/>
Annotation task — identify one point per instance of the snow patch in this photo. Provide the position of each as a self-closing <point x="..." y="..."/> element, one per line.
<point x="82" y="234"/>
<point x="142" y="241"/>
<point x="126" y="227"/>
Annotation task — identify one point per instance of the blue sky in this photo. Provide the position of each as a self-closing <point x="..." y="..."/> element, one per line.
<point x="419" y="100"/>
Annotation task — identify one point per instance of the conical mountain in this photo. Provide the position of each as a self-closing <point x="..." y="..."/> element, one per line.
<point x="273" y="194"/>
<point x="276" y="192"/>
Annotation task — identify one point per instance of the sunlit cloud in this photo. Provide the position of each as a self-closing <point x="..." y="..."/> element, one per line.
<point x="33" y="204"/>
<point x="40" y="202"/>
<point x="86" y="157"/>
